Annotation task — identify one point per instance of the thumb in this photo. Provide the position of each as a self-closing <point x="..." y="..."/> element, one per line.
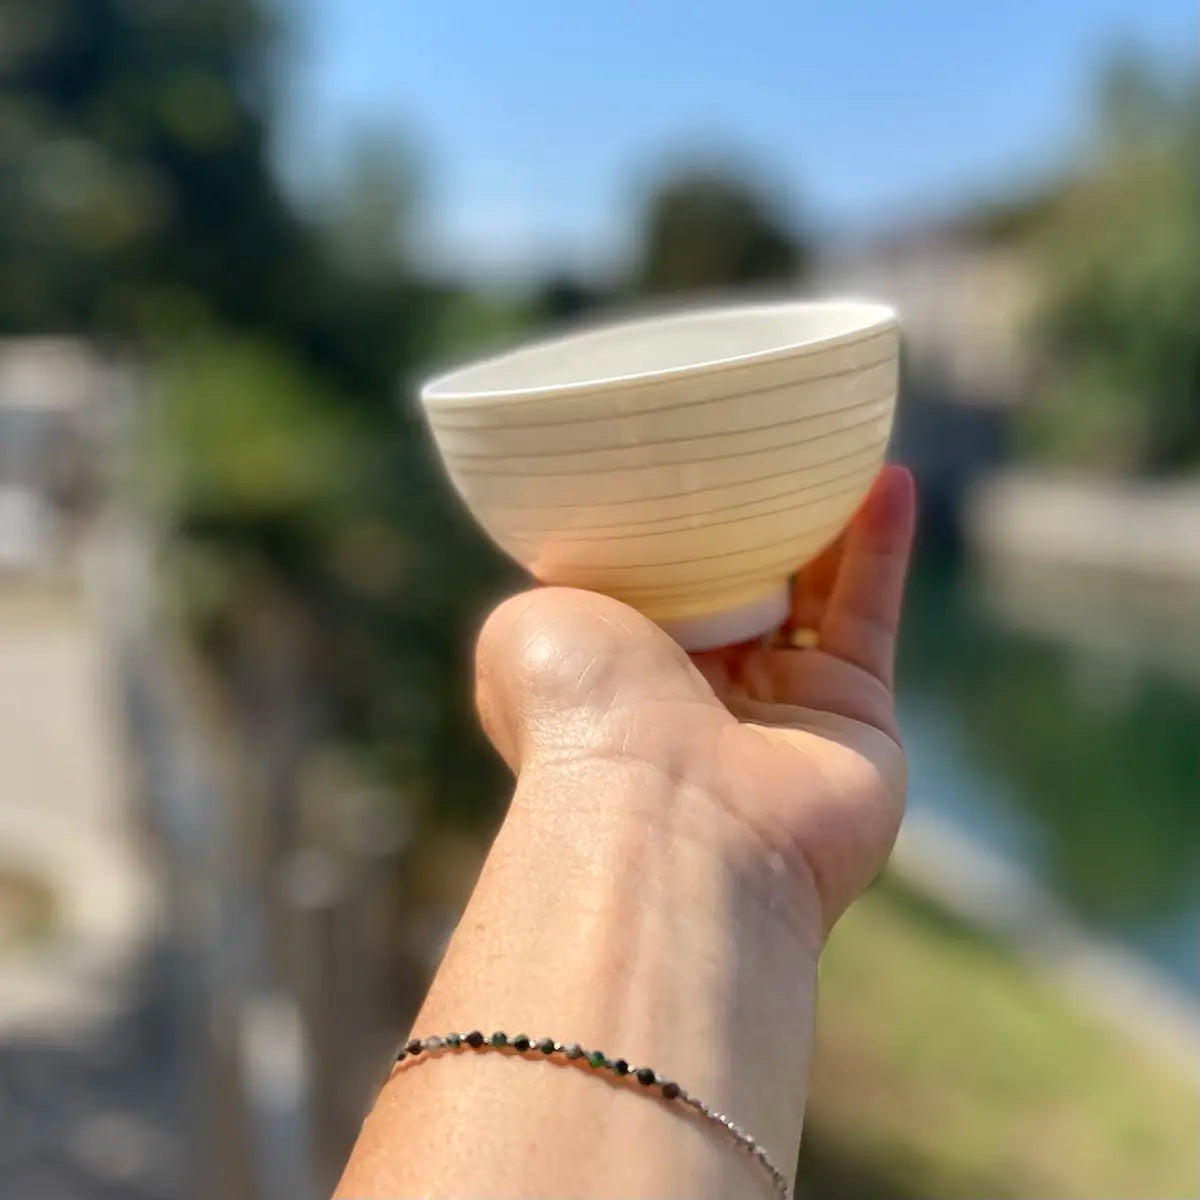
<point x="556" y="669"/>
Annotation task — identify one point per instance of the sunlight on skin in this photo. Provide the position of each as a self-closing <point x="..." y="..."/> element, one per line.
<point x="683" y="834"/>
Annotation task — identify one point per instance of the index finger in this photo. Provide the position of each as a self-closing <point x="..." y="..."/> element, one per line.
<point x="862" y="615"/>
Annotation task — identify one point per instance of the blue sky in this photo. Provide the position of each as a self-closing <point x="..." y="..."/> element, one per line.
<point x="538" y="122"/>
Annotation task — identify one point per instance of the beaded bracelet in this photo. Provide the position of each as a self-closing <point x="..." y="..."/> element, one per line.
<point x="600" y="1061"/>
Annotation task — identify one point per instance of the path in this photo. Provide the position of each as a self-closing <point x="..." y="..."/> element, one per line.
<point x="87" y="1093"/>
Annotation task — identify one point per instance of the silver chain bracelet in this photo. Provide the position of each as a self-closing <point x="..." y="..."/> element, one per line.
<point x="599" y="1061"/>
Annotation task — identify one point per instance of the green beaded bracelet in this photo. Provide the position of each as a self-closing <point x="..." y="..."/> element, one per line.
<point x="598" y="1060"/>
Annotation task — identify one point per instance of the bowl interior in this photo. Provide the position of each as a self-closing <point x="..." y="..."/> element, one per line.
<point x="662" y="346"/>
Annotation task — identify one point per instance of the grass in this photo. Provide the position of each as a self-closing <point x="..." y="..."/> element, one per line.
<point x="946" y="1070"/>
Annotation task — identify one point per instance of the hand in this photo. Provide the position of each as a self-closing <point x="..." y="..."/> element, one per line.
<point x="671" y="820"/>
<point x="795" y="752"/>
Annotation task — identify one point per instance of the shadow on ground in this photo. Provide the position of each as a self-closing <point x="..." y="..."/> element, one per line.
<point x="92" y="1115"/>
<point x="825" y="1173"/>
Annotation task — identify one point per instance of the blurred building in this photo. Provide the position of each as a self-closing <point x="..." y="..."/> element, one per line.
<point x="963" y="305"/>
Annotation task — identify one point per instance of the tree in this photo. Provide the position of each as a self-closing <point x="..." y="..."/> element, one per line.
<point x="564" y="297"/>
<point x="134" y="161"/>
<point x="371" y="209"/>
<point x="1116" y="338"/>
<point x="706" y="228"/>
<point x="138" y="205"/>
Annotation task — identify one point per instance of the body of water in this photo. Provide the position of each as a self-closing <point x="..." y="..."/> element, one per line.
<point x="1083" y="770"/>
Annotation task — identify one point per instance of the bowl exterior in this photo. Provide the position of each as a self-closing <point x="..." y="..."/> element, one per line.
<point x="680" y="496"/>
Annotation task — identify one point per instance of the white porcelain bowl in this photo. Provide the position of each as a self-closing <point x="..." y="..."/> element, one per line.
<point x="687" y="464"/>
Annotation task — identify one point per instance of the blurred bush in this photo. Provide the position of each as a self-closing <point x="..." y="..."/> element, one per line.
<point x="945" y="1070"/>
<point x="1116" y="338"/>
<point x="133" y="149"/>
<point x="706" y="227"/>
<point x="139" y="209"/>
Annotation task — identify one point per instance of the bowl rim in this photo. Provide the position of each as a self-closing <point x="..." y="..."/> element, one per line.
<point x="440" y="390"/>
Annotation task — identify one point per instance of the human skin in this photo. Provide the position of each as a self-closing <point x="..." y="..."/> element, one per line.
<point x="683" y="834"/>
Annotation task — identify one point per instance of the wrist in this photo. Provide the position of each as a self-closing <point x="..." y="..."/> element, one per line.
<point x="673" y="940"/>
<point x="613" y="911"/>
<point x="616" y="819"/>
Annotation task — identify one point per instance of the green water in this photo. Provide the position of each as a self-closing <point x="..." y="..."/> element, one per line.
<point x="1030" y="746"/>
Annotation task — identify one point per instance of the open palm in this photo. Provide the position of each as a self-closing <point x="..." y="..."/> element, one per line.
<point x="798" y="746"/>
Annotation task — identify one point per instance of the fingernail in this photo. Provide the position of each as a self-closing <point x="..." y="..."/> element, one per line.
<point x="896" y="487"/>
<point x="895" y="483"/>
<point x="892" y="496"/>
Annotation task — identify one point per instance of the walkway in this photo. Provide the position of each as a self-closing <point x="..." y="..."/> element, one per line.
<point x="86" y="1062"/>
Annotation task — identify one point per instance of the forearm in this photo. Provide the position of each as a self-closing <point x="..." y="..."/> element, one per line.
<point x="626" y="912"/>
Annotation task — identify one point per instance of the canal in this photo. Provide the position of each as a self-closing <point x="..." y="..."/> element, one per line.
<point x="1078" y="767"/>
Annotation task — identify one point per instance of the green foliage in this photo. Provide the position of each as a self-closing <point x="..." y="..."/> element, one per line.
<point x="133" y="157"/>
<point x="372" y="206"/>
<point x="1117" y="338"/>
<point x="1107" y="775"/>
<point x="138" y="197"/>
<point x="938" y="1054"/>
<point x="292" y="509"/>
<point x="245" y="431"/>
<point x="139" y="206"/>
<point x="706" y="229"/>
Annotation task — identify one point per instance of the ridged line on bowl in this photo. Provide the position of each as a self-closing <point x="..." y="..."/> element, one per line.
<point x="707" y="595"/>
<point x="606" y="568"/>
<point x="636" y="420"/>
<point x="693" y="518"/>
<point x="629" y="431"/>
<point x="689" y="589"/>
<point x="597" y="494"/>
<point x="622" y="563"/>
<point x="871" y="452"/>
<point x="578" y="537"/>
<point x="649" y="485"/>
<point x="521" y="464"/>
<point x="802" y="367"/>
